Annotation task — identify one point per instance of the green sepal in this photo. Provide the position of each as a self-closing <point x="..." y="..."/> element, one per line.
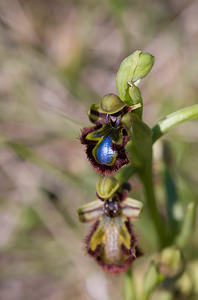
<point x="134" y="67"/>
<point x="106" y="187"/>
<point x="90" y="211"/>
<point x="111" y="104"/>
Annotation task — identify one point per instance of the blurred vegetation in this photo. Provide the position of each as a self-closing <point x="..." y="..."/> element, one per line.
<point x="57" y="57"/>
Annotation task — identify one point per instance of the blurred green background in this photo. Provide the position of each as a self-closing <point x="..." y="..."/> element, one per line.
<point x="56" y="58"/>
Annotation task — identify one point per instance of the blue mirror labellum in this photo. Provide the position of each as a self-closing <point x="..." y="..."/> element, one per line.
<point x="105" y="147"/>
<point x="104" y="152"/>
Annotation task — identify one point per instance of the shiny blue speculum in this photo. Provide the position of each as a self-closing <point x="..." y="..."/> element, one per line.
<point x="104" y="153"/>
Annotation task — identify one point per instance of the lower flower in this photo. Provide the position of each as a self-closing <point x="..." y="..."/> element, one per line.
<point x="112" y="241"/>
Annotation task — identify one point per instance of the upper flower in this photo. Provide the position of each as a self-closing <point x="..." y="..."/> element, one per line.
<point x="106" y="140"/>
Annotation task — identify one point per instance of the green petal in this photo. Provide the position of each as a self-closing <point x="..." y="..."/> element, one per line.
<point x="96" y="135"/>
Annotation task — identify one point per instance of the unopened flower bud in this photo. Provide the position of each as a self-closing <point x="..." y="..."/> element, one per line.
<point x="134" y="67"/>
<point x="171" y="261"/>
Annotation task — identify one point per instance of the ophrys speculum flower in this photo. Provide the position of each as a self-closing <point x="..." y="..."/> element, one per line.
<point x="112" y="241"/>
<point x="105" y="142"/>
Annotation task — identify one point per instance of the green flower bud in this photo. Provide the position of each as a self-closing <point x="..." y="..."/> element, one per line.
<point x="171" y="262"/>
<point x="111" y="104"/>
<point x="133" y="68"/>
<point x="106" y="187"/>
<point x="185" y="284"/>
<point x="144" y="65"/>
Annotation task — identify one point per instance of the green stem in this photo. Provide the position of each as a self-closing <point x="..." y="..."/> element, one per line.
<point x="170" y="121"/>
<point x="160" y="227"/>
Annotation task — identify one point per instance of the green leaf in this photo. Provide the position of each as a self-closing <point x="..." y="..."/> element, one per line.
<point x="152" y="278"/>
<point x="134" y="67"/>
<point x="173" y="206"/>
<point x="187" y="226"/>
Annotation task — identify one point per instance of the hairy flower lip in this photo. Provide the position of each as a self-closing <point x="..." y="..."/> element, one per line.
<point x="112" y="241"/>
<point x="121" y="159"/>
<point x="131" y="254"/>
